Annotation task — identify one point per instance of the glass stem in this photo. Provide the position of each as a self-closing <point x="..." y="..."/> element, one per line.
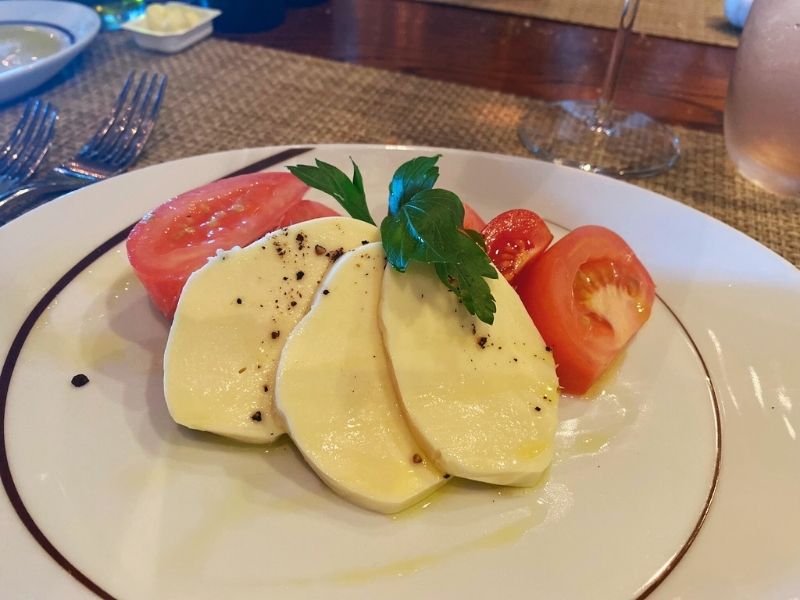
<point x="603" y="112"/>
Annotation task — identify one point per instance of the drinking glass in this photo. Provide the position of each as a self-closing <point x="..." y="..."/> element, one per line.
<point x="762" y="113"/>
<point x="595" y="136"/>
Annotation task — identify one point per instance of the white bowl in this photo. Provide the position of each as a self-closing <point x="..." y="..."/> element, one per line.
<point x="76" y="23"/>
<point x="172" y="41"/>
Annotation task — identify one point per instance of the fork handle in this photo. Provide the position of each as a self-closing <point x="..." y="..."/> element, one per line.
<point x="34" y="194"/>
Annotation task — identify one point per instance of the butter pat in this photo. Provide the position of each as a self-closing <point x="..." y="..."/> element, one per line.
<point x="173" y="17"/>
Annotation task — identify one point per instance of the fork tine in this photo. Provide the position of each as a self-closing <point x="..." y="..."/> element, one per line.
<point x="11" y="145"/>
<point x="121" y="137"/>
<point x="135" y="124"/>
<point x="120" y="124"/>
<point x="25" y="143"/>
<point x="34" y="152"/>
<point x="137" y="115"/>
<point x="108" y="123"/>
<point x="41" y="143"/>
<point x="139" y="140"/>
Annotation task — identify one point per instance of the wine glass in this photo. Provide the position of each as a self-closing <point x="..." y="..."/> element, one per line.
<point x="593" y="135"/>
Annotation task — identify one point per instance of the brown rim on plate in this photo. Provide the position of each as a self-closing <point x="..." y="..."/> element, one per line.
<point x="16" y="348"/>
<point x="662" y="573"/>
<point x="668" y="567"/>
<point x="30" y="321"/>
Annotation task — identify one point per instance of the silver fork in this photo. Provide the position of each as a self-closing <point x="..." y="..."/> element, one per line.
<point x="114" y="146"/>
<point x="27" y="145"/>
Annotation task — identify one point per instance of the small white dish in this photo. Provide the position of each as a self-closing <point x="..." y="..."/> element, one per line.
<point x="70" y="25"/>
<point x="170" y="42"/>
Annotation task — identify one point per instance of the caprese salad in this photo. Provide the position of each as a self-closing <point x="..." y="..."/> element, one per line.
<point x="393" y="354"/>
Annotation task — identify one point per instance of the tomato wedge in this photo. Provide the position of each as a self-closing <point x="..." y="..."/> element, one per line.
<point x="514" y="238"/>
<point x="305" y="210"/>
<point x="588" y="296"/>
<point x="177" y="238"/>
<point x="472" y="220"/>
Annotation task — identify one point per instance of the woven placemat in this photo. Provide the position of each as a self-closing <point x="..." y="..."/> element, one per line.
<point x="223" y="95"/>
<point x="690" y="20"/>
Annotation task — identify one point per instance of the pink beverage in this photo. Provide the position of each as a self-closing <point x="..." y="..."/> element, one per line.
<point x="762" y="115"/>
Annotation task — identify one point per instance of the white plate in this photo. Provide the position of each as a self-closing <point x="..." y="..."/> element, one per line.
<point x="106" y="487"/>
<point x="74" y="23"/>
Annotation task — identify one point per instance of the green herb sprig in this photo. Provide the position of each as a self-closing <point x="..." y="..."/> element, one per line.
<point x="424" y="224"/>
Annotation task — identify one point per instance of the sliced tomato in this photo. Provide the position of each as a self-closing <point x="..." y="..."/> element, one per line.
<point x="472" y="220"/>
<point x="177" y="238"/>
<point x="588" y="295"/>
<point x="305" y="210"/>
<point x="514" y="238"/>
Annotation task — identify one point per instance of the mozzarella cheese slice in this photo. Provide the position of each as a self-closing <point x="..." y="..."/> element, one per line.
<point x="335" y="393"/>
<point x="482" y="400"/>
<point x="233" y="318"/>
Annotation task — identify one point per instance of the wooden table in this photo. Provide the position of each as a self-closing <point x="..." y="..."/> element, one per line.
<point x="678" y="82"/>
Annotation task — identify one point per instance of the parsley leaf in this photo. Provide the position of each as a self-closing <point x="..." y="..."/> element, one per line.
<point x="329" y="179"/>
<point x="421" y="229"/>
<point x="465" y="276"/>
<point x="477" y="237"/>
<point x="411" y="177"/>
<point x="472" y="290"/>
<point x="424" y="224"/>
<point x="427" y="229"/>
